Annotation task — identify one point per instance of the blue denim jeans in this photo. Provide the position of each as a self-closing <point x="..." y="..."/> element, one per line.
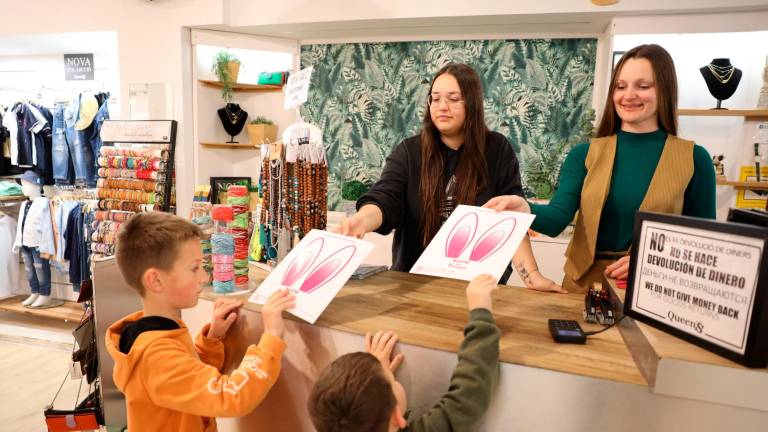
<point x="95" y="140"/>
<point x="38" y="271"/>
<point x="63" y="170"/>
<point x="79" y="147"/>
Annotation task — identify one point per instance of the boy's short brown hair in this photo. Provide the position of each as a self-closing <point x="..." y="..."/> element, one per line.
<point x="151" y="240"/>
<point x="352" y="394"/>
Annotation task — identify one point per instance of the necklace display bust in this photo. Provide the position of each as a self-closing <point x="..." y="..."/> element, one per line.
<point x="722" y="79"/>
<point x="233" y="119"/>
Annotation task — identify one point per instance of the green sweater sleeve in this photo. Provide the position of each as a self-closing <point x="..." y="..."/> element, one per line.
<point x="700" y="196"/>
<point x="551" y="219"/>
<point x="472" y="382"/>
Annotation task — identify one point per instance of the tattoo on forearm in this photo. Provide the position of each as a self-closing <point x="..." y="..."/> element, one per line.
<point x="524" y="275"/>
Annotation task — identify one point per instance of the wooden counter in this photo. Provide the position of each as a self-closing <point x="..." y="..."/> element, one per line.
<point x="543" y="386"/>
<point x="675" y="367"/>
<point x="431" y="312"/>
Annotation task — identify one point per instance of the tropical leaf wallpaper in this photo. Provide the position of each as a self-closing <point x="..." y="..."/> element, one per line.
<point x="367" y="97"/>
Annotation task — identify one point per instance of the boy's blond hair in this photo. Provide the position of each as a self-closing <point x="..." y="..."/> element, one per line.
<point x="151" y="240"/>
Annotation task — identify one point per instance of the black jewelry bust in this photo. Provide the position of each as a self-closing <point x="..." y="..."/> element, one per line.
<point x="233" y="119"/>
<point x="722" y="78"/>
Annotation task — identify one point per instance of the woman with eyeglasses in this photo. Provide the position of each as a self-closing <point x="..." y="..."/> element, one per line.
<point x="455" y="160"/>
<point x="636" y="162"/>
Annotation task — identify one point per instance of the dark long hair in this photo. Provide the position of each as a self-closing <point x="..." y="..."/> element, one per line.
<point x="666" y="90"/>
<point x="471" y="171"/>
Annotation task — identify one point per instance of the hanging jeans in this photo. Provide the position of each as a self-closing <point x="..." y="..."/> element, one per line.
<point x="63" y="170"/>
<point x="79" y="147"/>
<point x="38" y="271"/>
<point x="95" y="130"/>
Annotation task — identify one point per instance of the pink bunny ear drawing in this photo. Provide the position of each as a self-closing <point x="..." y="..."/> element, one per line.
<point x="461" y="235"/>
<point x="493" y="239"/>
<point x="328" y="269"/>
<point x="302" y="262"/>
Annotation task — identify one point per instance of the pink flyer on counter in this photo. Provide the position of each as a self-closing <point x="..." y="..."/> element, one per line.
<point x="474" y="241"/>
<point x="315" y="270"/>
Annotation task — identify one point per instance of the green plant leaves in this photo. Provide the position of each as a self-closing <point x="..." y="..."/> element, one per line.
<point x="369" y="97"/>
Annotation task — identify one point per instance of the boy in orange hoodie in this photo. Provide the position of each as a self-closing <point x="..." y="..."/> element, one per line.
<point x="169" y="382"/>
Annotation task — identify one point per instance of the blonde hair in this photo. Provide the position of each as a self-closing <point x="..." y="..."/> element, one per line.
<point x="151" y="240"/>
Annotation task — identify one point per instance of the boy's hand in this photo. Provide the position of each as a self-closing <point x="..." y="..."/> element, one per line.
<point x="224" y="315"/>
<point x="272" y="312"/>
<point x="479" y="292"/>
<point x="381" y="345"/>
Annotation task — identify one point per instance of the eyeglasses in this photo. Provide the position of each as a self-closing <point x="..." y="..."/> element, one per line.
<point x="451" y="100"/>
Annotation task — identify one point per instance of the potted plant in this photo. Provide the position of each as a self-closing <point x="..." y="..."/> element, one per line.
<point x="226" y="67"/>
<point x="351" y="191"/>
<point x="262" y="130"/>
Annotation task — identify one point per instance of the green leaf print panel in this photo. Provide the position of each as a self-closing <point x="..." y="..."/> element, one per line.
<point x="367" y="97"/>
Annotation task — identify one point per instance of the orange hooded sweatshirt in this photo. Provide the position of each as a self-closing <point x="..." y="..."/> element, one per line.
<point x="171" y="384"/>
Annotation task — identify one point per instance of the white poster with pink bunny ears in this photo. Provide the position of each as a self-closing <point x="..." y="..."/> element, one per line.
<point x="474" y="241"/>
<point x="314" y="271"/>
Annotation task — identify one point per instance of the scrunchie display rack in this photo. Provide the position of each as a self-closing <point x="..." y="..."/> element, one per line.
<point x="294" y="191"/>
<point x="135" y="174"/>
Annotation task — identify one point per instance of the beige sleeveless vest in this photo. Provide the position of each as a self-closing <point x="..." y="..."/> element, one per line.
<point x="665" y="194"/>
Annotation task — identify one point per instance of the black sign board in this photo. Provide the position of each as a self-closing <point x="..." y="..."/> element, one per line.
<point x="221" y="184"/>
<point x="78" y="67"/>
<point x="703" y="281"/>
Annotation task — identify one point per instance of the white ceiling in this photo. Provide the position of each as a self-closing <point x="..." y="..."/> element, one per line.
<point x="59" y="43"/>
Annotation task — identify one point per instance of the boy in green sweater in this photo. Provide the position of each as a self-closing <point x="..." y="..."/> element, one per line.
<point x="359" y="392"/>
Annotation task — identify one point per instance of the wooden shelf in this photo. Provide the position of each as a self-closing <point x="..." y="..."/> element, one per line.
<point x="744" y="184"/>
<point x="241" y="146"/>
<point x="68" y="312"/>
<point x="12" y="198"/>
<point x="753" y="114"/>
<point x="244" y="87"/>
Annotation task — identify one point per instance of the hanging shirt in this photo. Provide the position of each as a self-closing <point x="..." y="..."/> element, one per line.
<point x="34" y="228"/>
<point x="73" y="251"/>
<point x="61" y="218"/>
<point x="10" y="122"/>
<point x="9" y="263"/>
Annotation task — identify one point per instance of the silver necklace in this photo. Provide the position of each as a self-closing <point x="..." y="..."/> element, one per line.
<point x="274" y="200"/>
<point x="722" y="73"/>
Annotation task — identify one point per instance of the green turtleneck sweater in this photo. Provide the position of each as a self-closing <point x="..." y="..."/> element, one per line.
<point x="637" y="155"/>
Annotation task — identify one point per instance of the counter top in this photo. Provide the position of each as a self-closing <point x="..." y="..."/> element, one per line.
<point x="674" y="367"/>
<point x="431" y="312"/>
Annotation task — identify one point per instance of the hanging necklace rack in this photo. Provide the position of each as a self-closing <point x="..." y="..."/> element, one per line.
<point x="294" y="186"/>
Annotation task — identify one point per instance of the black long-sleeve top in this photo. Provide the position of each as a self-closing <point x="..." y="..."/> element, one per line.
<point x="397" y="191"/>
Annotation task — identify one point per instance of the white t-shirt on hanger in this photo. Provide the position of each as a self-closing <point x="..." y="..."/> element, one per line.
<point x="9" y="261"/>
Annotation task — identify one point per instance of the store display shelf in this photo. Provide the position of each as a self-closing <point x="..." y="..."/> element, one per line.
<point x="11" y="198"/>
<point x="244" y="87"/>
<point x="744" y="184"/>
<point x="753" y="114"/>
<point x="241" y="146"/>
<point x="68" y="312"/>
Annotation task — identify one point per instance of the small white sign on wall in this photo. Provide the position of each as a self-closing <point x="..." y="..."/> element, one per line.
<point x="297" y="88"/>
